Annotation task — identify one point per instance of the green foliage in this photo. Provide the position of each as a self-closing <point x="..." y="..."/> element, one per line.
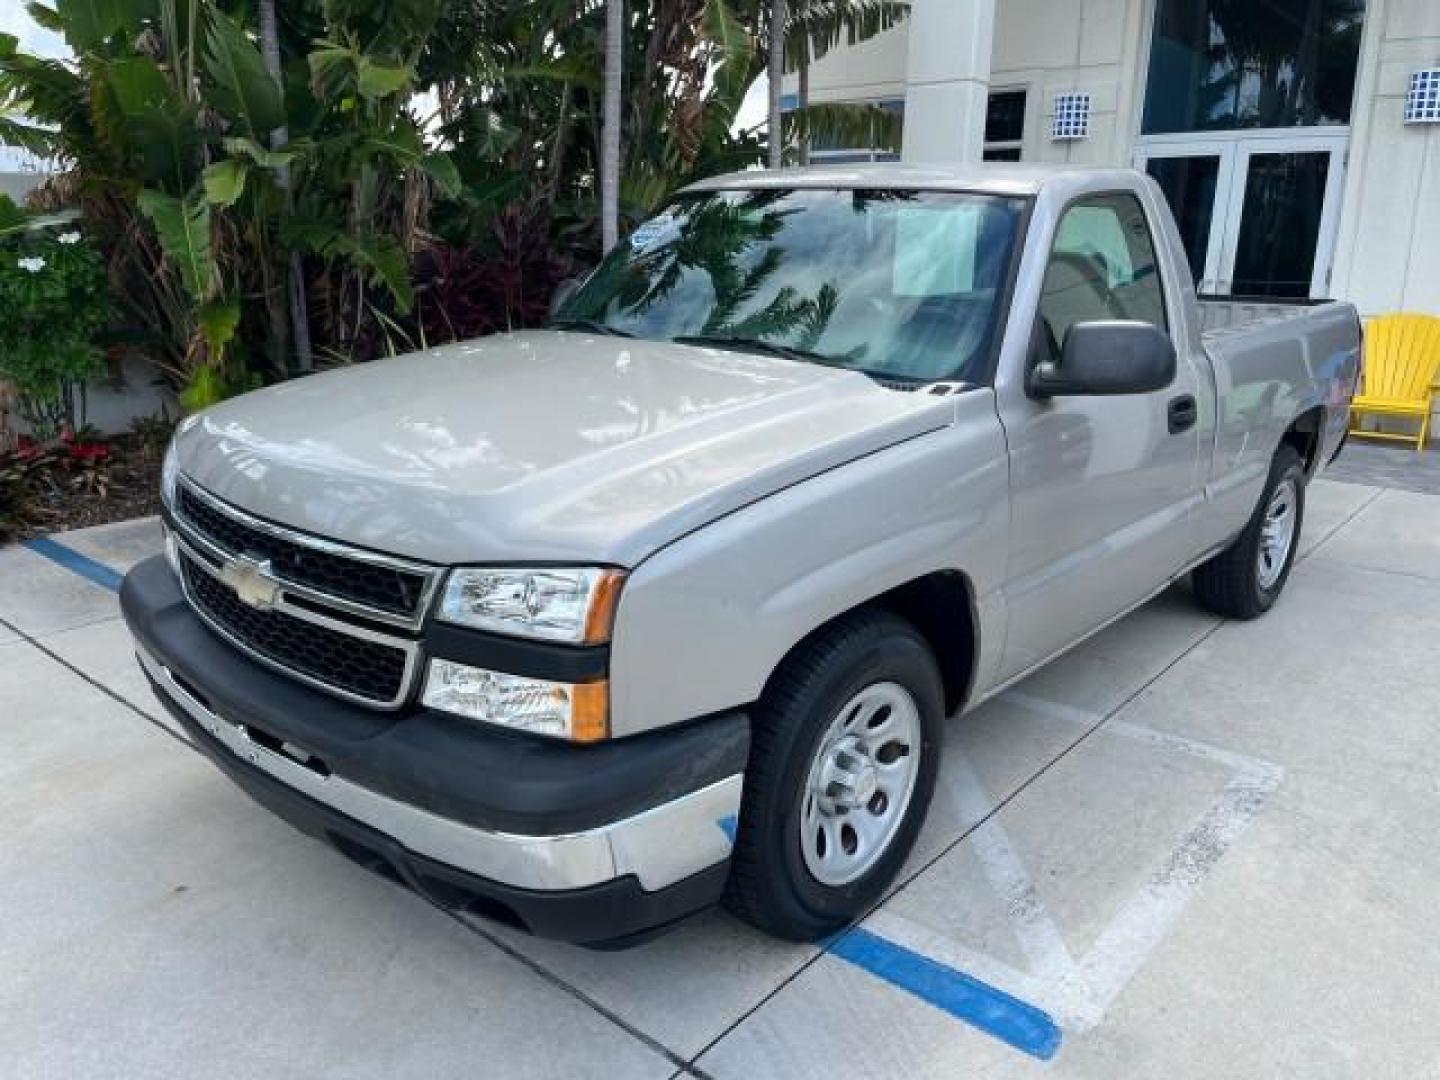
<point x="168" y="119"/>
<point x="219" y="320"/>
<point x="818" y="26"/>
<point x="844" y="125"/>
<point x="240" y="87"/>
<point x="88" y="23"/>
<point x="12" y="218"/>
<point x="213" y="384"/>
<point x="519" y="85"/>
<point x="224" y="181"/>
<point x="52" y="304"/>
<point x="14" y="499"/>
<point x="183" y="226"/>
<point x="152" y="433"/>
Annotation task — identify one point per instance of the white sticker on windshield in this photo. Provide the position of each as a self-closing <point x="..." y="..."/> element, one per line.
<point x="655" y="233"/>
<point x="935" y="250"/>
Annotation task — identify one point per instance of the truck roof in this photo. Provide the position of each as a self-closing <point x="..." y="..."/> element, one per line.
<point x="997" y="178"/>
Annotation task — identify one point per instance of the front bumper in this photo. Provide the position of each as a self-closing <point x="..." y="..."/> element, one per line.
<point x="580" y="843"/>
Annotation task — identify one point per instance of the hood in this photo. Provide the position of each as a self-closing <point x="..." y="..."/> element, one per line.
<point x="541" y="446"/>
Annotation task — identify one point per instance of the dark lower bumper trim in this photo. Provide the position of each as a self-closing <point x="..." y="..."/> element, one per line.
<point x="467" y="772"/>
<point x="606" y="913"/>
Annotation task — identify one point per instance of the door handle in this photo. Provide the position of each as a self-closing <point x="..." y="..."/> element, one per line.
<point x="1182" y="413"/>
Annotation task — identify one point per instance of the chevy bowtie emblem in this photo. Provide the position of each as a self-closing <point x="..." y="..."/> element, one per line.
<point x="252" y="581"/>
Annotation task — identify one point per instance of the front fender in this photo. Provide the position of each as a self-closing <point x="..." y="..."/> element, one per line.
<point x="703" y="623"/>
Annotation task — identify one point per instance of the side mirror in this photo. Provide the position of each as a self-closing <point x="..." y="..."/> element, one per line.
<point x="1104" y="358"/>
<point x="562" y="294"/>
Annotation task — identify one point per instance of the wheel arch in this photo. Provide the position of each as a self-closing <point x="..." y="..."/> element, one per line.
<point x="941" y="606"/>
<point x="1305" y="435"/>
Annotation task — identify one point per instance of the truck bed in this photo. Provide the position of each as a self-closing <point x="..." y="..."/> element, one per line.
<point x="1223" y="313"/>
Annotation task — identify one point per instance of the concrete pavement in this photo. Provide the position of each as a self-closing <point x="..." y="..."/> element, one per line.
<point x="1196" y="848"/>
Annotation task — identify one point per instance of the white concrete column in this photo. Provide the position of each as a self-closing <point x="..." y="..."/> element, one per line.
<point x="948" y="80"/>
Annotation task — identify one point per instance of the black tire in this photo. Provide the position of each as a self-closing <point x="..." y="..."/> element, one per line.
<point x="1230" y="584"/>
<point x="770" y="885"/>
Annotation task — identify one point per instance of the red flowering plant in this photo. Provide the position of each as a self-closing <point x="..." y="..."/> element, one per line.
<point x="34" y="472"/>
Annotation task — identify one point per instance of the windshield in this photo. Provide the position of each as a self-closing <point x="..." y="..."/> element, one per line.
<point x="902" y="285"/>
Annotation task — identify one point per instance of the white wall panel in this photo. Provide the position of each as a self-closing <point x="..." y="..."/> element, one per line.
<point x="1389" y="255"/>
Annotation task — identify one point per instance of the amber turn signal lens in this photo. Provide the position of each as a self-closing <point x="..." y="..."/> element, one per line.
<point x="590" y="712"/>
<point x="604" y="599"/>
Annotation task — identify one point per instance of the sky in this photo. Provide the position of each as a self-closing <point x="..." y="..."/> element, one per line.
<point x="752" y="109"/>
<point x="14" y="19"/>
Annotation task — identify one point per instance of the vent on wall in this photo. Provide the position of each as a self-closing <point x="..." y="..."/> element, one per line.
<point x="1071" y="118"/>
<point x="1422" y="103"/>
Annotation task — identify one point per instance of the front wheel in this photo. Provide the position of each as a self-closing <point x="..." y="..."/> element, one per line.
<point x="844" y="751"/>
<point x="1245" y="579"/>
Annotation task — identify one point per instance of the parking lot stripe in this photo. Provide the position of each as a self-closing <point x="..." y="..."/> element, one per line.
<point x="84" y="676"/>
<point x="1122" y="949"/>
<point x="993" y="1011"/>
<point x="75" y="562"/>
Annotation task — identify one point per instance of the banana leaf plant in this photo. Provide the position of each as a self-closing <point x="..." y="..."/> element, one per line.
<point x="517" y="85"/>
<point x="167" y="119"/>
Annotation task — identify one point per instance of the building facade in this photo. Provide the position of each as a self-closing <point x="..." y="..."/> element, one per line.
<point x="1298" y="141"/>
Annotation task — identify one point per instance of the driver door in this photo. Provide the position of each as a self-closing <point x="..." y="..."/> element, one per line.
<point x="1101" y="487"/>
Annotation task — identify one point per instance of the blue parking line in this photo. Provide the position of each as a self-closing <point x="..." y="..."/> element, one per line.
<point x="76" y="563"/>
<point x="965" y="997"/>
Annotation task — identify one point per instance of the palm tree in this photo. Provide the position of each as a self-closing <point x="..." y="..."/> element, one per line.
<point x="279" y="139"/>
<point x="802" y="82"/>
<point x="610" y="135"/>
<point x="813" y="29"/>
<point x="775" y="72"/>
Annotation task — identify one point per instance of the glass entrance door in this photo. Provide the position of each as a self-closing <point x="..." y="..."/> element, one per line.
<point x="1280" y="237"/>
<point x="1257" y="213"/>
<point x="1194" y="177"/>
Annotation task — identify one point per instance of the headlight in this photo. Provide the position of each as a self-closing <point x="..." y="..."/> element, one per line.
<point x="169" y="476"/>
<point x="576" y="605"/>
<point x="575" y="711"/>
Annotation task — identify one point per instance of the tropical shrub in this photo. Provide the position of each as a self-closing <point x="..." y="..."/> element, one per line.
<point x="518" y="84"/>
<point x="14" y="499"/>
<point x="465" y="293"/>
<point x="239" y="202"/>
<point x="52" y="304"/>
<point x="38" y="474"/>
<point x="278" y="183"/>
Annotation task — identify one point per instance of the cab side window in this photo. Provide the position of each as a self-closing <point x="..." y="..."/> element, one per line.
<point x="1102" y="266"/>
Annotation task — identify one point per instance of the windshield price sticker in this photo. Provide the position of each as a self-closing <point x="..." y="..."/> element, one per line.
<point x="655" y="233"/>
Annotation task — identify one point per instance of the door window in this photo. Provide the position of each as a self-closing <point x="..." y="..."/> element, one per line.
<point x="1102" y="266"/>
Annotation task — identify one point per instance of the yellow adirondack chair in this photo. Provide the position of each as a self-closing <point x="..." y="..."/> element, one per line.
<point x="1402" y="355"/>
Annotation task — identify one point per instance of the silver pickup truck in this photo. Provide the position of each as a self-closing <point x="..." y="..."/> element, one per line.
<point x="588" y="628"/>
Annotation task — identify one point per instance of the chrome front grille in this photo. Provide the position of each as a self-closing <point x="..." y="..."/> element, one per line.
<point x="377" y="586"/>
<point x="368" y="670"/>
<point x="339" y="618"/>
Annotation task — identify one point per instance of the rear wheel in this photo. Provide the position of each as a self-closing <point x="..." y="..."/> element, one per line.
<point x="1245" y="579"/>
<point x="844" y="750"/>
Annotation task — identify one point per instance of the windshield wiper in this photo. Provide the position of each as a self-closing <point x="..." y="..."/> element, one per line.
<point x="731" y="341"/>
<point x="589" y="326"/>
<point x="894" y="381"/>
